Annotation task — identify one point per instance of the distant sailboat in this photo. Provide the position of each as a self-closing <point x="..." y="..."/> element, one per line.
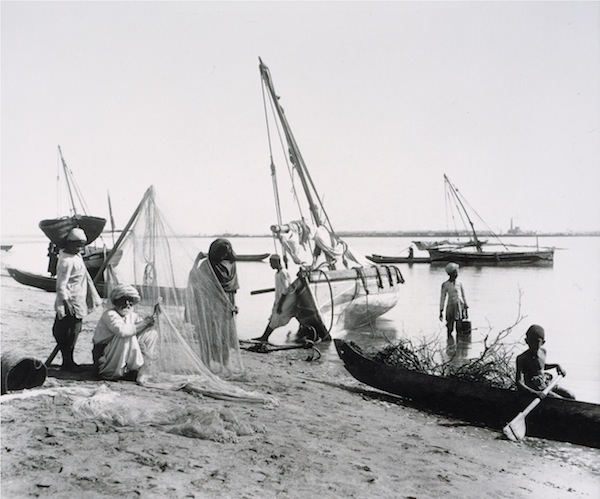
<point x="478" y="251"/>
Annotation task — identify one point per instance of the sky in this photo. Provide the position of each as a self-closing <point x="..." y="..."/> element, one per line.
<point x="384" y="98"/>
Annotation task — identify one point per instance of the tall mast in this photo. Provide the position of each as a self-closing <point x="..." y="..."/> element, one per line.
<point x="457" y="197"/>
<point x="68" y="180"/>
<point x="294" y="151"/>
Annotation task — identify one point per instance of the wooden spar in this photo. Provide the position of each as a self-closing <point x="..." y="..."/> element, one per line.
<point x="457" y="198"/>
<point x="68" y="180"/>
<point x="112" y="219"/>
<point x="149" y="192"/>
<point x="294" y="150"/>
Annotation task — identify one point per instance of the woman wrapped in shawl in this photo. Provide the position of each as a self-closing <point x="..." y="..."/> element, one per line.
<point x="210" y="308"/>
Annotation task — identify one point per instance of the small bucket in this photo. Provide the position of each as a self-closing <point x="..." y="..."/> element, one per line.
<point x="463" y="327"/>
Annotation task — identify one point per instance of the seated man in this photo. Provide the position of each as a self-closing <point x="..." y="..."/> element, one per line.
<point x="124" y="343"/>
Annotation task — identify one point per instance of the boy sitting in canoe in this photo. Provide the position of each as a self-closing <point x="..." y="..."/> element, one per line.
<point x="531" y="367"/>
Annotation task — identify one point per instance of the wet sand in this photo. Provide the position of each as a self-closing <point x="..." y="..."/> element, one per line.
<point x="329" y="436"/>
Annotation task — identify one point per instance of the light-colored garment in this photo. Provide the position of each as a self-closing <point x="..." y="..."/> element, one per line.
<point x="124" y="351"/>
<point x="283" y="281"/>
<point x="209" y="309"/>
<point x="457" y="301"/>
<point x="75" y="286"/>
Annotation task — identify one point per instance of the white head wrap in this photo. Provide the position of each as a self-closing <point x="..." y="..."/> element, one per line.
<point x="451" y="267"/>
<point x="77" y="234"/>
<point x="124" y="290"/>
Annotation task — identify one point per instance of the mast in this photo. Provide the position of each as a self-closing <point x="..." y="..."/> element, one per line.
<point x="456" y="196"/>
<point x="68" y="180"/>
<point x="294" y="151"/>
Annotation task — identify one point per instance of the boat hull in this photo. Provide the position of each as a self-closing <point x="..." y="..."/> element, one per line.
<point x="57" y="229"/>
<point x="492" y="257"/>
<point x="337" y="300"/>
<point x="45" y="282"/>
<point x="556" y="419"/>
<point x="251" y="258"/>
<point x="397" y="259"/>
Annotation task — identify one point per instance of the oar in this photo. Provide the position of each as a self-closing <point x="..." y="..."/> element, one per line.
<point x="260" y="291"/>
<point x="516" y="429"/>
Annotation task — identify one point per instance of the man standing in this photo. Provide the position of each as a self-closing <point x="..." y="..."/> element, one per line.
<point x="76" y="296"/>
<point x="279" y="315"/>
<point x="456" y="307"/>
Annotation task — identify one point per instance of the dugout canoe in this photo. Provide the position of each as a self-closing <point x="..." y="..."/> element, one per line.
<point x="555" y="419"/>
<point x="251" y="257"/>
<point x="48" y="283"/>
<point x="397" y="259"/>
<point x="40" y="281"/>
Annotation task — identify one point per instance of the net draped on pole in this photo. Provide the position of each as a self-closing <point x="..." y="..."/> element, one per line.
<point x="151" y="257"/>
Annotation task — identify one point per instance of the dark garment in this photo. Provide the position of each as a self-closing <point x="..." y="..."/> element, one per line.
<point x="65" y="332"/>
<point x="222" y="259"/>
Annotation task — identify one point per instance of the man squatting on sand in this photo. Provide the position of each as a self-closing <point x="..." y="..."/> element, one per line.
<point x="76" y="296"/>
<point x="456" y="307"/>
<point x="123" y="342"/>
<point x="531" y="367"/>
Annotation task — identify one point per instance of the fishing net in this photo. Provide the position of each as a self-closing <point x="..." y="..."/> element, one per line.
<point x="194" y="344"/>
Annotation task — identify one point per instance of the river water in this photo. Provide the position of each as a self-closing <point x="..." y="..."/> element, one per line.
<point x="564" y="298"/>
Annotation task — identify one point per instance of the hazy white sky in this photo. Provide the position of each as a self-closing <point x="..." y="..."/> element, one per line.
<point x="383" y="97"/>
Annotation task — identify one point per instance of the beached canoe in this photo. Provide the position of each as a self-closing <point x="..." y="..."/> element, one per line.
<point x="40" y="281"/>
<point x="555" y="419"/>
<point x="48" y="283"/>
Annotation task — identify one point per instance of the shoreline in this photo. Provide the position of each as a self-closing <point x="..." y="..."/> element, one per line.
<point x="329" y="436"/>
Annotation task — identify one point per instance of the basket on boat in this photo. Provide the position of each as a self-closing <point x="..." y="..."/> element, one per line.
<point x="57" y="229"/>
<point x="20" y="371"/>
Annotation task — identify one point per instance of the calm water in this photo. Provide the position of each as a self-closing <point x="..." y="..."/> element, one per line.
<point x="564" y="298"/>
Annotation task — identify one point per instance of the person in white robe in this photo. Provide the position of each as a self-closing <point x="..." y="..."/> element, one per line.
<point x="123" y="342"/>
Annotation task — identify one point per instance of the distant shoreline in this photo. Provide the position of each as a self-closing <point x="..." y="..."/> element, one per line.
<point x="416" y="234"/>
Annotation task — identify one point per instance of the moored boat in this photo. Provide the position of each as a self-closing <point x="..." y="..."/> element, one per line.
<point x="556" y="419"/>
<point x="398" y="259"/>
<point x="477" y="251"/>
<point x="335" y="291"/>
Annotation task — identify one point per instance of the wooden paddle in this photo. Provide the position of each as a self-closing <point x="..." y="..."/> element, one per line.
<point x="516" y="429"/>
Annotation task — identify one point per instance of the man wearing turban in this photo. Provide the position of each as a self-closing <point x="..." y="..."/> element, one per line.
<point x="124" y="342"/>
<point x="76" y="296"/>
<point x="453" y="298"/>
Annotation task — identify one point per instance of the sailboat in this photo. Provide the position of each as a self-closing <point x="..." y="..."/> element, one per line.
<point x="335" y="292"/>
<point x="57" y="229"/>
<point x="478" y="251"/>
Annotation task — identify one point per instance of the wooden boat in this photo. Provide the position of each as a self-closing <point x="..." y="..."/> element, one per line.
<point x="6" y="247"/>
<point x="48" y="283"/>
<point x="258" y="257"/>
<point x="398" y="259"/>
<point x="330" y="298"/>
<point x="40" y="281"/>
<point x="479" y="252"/>
<point x="556" y="419"/>
<point x="57" y="229"/>
<point x="251" y="257"/>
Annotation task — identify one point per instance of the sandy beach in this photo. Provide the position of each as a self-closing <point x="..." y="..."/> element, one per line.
<point x="328" y="436"/>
